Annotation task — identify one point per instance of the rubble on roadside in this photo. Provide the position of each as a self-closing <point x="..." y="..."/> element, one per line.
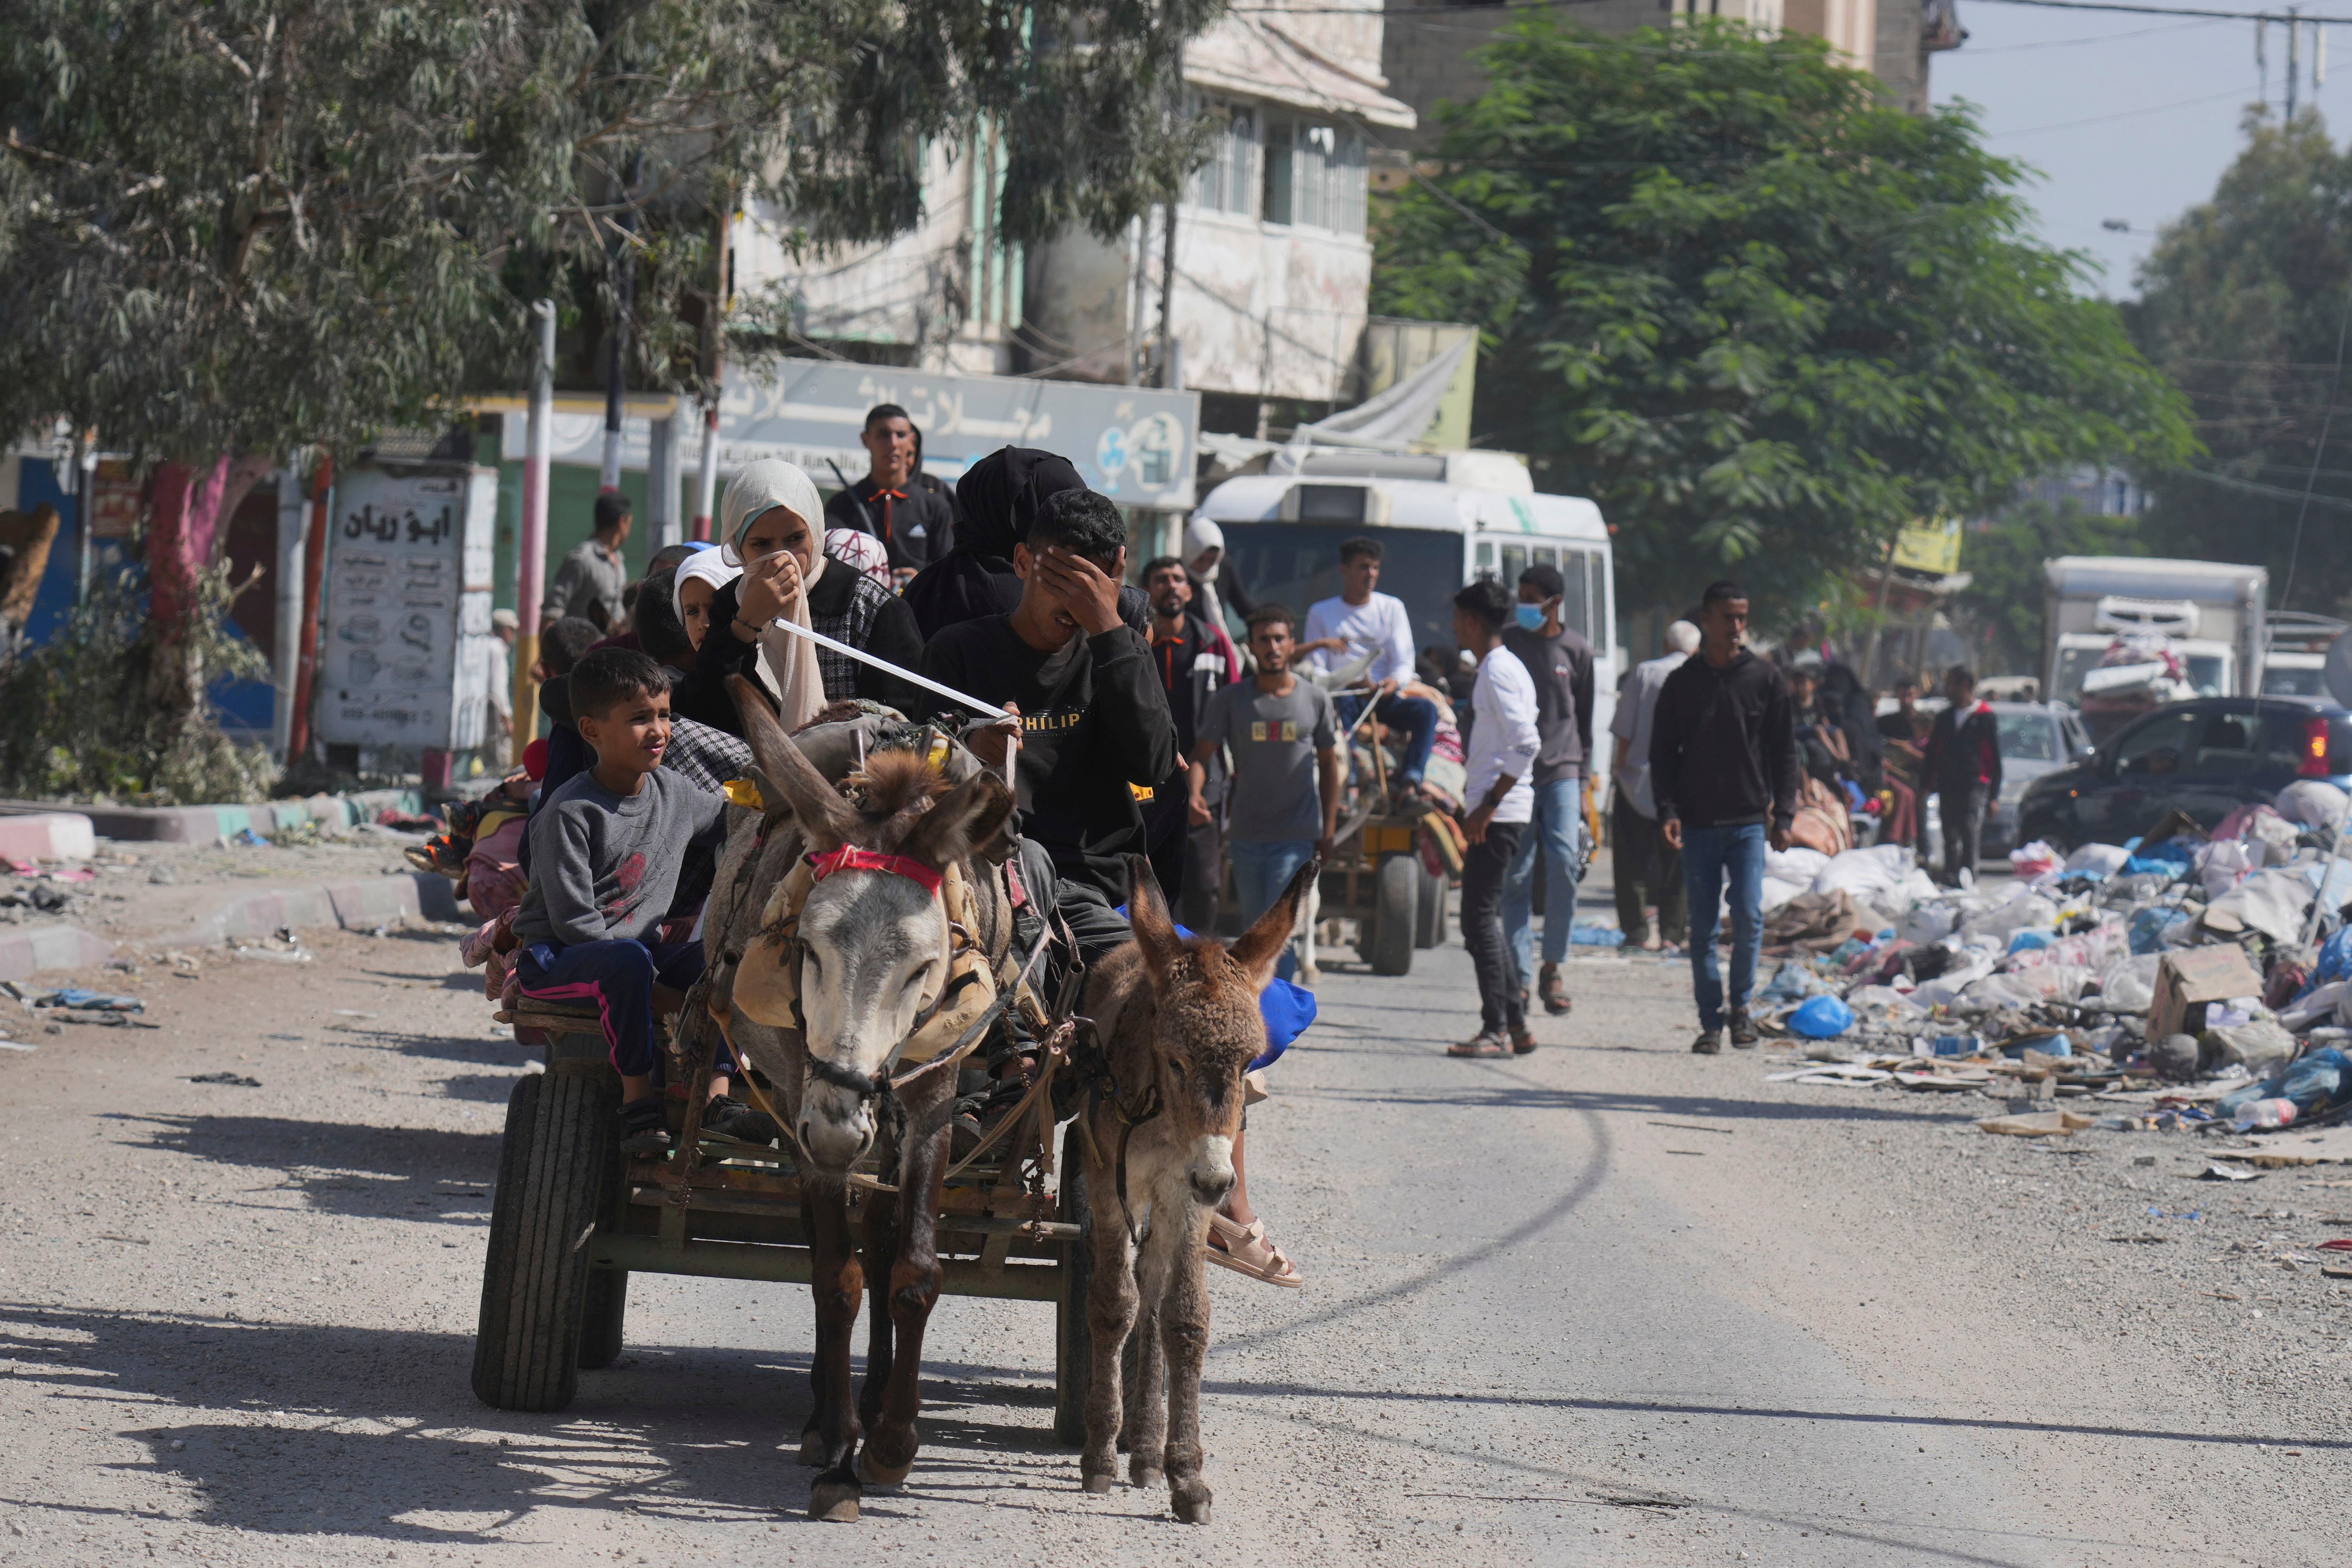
<point x="2185" y="982"/>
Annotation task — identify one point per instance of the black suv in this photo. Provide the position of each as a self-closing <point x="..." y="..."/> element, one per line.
<point x="2206" y="757"/>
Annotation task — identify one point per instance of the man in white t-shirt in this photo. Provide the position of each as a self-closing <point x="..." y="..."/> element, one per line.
<point x="1503" y="740"/>
<point x="1342" y="630"/>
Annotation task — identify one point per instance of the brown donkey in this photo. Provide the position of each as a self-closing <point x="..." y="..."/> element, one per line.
<point x="1178" y="1022"/>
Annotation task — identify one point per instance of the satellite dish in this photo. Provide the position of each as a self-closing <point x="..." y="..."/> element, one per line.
<point x="2337" y="671"/>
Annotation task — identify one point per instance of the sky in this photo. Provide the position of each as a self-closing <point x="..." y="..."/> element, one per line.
<point x="2125" y="117"/>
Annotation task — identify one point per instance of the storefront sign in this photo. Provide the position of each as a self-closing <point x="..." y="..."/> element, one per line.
<point x="405" y="635"/>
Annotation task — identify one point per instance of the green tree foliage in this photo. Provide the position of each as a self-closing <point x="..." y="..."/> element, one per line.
<point x="1760" y="317"/>
<point x="231" y="227"/>
<point x="2244" y="303"/>
<point x="246" y="224"/>
<point x="2003" y="600"/>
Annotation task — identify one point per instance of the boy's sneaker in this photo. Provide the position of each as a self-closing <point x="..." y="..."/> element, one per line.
<point x="645" y="1127"/>
<point x="1743" y="1031"/>
<point x="730" y="1118"/>
<point x="1708" y="1044"/>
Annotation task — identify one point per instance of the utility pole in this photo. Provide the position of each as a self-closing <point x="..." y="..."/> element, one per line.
<point x="707" y="481"/>
<point x="531" y="561"/>
<point x="2293" y="57"/>
<point x="624" y="263"/>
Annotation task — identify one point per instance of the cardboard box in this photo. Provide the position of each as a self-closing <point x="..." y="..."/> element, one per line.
<point x="2192" y="976"/>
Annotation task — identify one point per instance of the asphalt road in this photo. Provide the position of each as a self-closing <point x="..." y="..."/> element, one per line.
<point x="1607" y="1303"/>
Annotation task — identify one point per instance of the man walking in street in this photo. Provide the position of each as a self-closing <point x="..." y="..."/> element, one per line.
<point x="1963" y="767"/>
<point x="1560" y="661"/>
<point x="1194" y="660"/>
<point x="593" y="578"/>
<point x="1646" y="867"/>
<point x="912" y="520"/>
<point x="1723" y="772"/>
<point x="1284" y="735"/>
<point x="1342" y="630"/>
<point x="1504" y="743"/>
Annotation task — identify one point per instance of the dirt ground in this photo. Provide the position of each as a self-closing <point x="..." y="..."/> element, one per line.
<point x="1607" y="1304"/>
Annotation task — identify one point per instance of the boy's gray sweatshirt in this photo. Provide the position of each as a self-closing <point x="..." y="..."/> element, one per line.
<point x="604" y="867"/>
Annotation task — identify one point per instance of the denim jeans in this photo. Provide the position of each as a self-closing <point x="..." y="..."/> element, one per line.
<point x="1416" y="716"/>
<point x="1711" y="855"/>
<point x="1260" y="873"/>
<point x="1559" y="831"/>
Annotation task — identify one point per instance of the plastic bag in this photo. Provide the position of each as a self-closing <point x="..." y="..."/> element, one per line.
<point x="2150" y="925"/>
<point x="2222" y="866"/>
<point x="2035" y="860"/>
<point x="1875" y="875"/>
<point x="2098" y="859"/>
<point x="1930" y="922"/>
<point x="2128" y="985"/>
<point x="2312" y="803"/>
<point x="1822" y="1018"/>
<point x="2031" y="912"/>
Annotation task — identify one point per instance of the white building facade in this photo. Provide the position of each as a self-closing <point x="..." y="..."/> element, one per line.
<point x="1272" y="267"/>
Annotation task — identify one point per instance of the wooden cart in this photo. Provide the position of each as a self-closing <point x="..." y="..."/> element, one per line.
<point x="1376" y="877"/>
<point x="572" y="1220"/>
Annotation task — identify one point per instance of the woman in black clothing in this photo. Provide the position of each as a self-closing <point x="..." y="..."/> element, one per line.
<point x="1001" y="495"/>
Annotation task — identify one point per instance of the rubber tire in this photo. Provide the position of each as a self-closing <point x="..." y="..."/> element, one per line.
<point x="603" y="1312"/>
<point x="1429" y="923"/>
<point x="1396" y="908"/>
<point x="1073" y="1340"/>
<point x="552" y="1170"/>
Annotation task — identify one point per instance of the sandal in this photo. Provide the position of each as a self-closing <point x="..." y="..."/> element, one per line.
<point x="1245" y="1250"/>
<point x="1481" y="1045"/>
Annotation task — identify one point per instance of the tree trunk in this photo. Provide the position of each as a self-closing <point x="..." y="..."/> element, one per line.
<point x="187" y="518"/>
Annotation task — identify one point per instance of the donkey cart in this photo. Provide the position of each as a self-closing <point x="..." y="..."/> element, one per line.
<point x="1379" y="876"/>
<point x="572" y="1219"/>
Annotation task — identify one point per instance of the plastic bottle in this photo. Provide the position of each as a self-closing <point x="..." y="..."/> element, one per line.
<point x="2260" y="1114"/>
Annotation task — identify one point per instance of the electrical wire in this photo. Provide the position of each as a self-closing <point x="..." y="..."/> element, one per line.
<point x="2335" y="382"/>
<point x="2125" y="114"/>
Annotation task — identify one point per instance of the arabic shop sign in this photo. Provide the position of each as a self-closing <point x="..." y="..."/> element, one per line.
<point x="1133" y="444"/>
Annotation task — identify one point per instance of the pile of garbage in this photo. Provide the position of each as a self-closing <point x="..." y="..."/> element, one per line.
<point x="2204" y="979"/>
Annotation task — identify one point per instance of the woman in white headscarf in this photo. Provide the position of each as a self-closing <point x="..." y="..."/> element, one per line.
<point x="770" y="523"/>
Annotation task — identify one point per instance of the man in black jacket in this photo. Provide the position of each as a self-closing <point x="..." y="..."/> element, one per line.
<point x="914" y="521"/>
<point x="1963" y="766"/>
<point x="1723" y="768"/>
<point x="1092" y="716"/>
<point x="1193" y="659"/>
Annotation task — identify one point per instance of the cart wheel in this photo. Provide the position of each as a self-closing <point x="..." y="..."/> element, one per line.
<point x="607" y="1303"/>
<point x="1072" y="1341"/>
<point x="1396" y="911"/>
<point x="551" y="1170"/>
<point x="1429" y="928"/>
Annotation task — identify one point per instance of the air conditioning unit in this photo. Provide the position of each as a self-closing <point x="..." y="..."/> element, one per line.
<point x="1358" y="504"/>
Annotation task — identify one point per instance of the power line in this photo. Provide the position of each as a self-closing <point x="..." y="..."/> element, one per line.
<point x="2124" y="114"/>
<point x="2335" y="382"/>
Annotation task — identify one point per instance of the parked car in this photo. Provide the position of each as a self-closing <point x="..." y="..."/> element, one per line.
<point x="2037" y="739"/>
<point x="2206" y="757"/>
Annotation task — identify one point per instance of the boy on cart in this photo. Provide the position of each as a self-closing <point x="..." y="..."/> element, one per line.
<point x="597" y="927"/>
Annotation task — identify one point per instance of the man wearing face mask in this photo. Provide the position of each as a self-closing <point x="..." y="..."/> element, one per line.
<point x="1561" y="662"/>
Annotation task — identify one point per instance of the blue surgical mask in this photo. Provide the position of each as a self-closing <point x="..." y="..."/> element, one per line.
<point x="1531" y="617"/>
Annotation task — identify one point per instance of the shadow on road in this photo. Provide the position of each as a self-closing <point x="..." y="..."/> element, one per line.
<point x="374" y="1432"/>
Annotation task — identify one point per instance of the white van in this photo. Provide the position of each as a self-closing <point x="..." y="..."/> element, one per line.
<point x="1442" y="519"/>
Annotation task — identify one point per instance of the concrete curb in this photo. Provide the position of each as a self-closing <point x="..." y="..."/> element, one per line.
<point x="209" y="824"/>
<point x="356" y="905"/>
<point x="47" y="836"/>
<point x="24" y="953"/>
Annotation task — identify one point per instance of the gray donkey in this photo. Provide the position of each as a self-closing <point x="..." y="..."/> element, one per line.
<point x="1178" y="1023"/>
<point x="819" y="1002"/>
